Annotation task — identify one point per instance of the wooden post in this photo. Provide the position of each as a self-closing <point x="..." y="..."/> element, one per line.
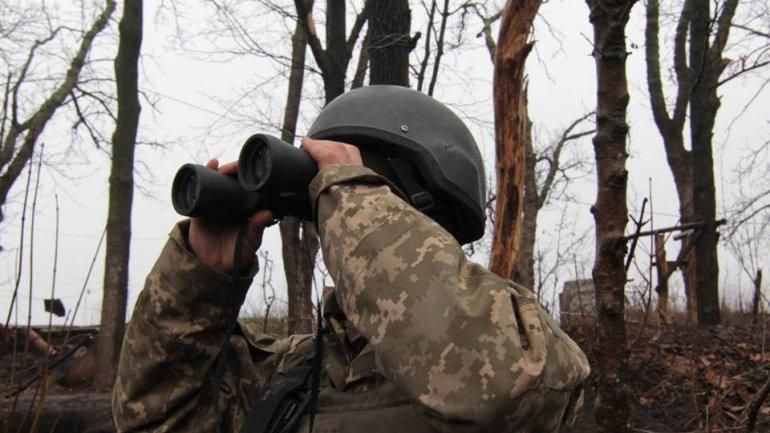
<point x="661" y="265"/>
<point x="689" y="273"/>
<point x="755" y="307"/>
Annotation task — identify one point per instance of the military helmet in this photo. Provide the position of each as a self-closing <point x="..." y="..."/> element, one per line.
<point x="429" y="152"/>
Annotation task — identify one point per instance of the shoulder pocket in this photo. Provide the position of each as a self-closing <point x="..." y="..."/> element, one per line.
<point x="567" y="365"/>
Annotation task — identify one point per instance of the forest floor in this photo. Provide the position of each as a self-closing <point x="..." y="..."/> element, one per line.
<point x="683" y="379"/>
<point x="686" y="379"/>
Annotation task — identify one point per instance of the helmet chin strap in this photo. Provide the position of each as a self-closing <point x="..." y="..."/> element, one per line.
<point x="418" y="197"/>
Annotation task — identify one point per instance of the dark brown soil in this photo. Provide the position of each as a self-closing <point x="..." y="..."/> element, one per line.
<point x="686" y="379"/>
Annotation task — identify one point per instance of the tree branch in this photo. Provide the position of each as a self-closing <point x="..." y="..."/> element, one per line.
<point x="358" y="24"/>
<point x="724" y="22"/>
<point x="24" y="70"/>
<point x="743" y="70"/>
<point x="680" y="66"/>
<point x="554" y="160"/>
<point x="439" y="47"/>
<point x="4" y="119"/>
<point x="486" y="29"/>
<point x="83" y="120"/>
<point x="361" y="66"/>
<point x="36" y="123"/>
<point x="305" y="15"/>
<point x="426" y="57"/>
<point x="652" y="61"/>
<point x="752" y="31"/>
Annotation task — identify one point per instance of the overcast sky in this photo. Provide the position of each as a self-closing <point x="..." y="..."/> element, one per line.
<point x="201" y="111"/>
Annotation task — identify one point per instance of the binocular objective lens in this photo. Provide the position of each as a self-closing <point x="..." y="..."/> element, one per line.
<point x="262" y="163"/>
<point x="186" y="190"/>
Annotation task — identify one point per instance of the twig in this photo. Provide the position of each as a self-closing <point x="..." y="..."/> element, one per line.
<point x="639" y="225"/>
<point x="756" y="403"/>
<point x="12" y="408"/>
<point x="55" y="263"/>
<point x="267" y="277"/>
<point x="32" y="252"/>
<point x="85" y="283"/>
<point x="21" y="252"/>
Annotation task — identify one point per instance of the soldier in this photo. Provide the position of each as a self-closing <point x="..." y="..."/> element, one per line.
<point x="415" y="337"/>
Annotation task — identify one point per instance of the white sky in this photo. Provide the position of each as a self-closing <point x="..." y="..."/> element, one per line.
<point x="193" y="119"/>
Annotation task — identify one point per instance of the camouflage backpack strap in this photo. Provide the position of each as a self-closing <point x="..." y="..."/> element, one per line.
<point x="287" y="399"/>
<point x="282" y="404"/>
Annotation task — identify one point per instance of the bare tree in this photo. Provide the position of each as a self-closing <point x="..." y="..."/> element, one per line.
<point x="19" y="136"/>
<point x="545" y="169"/>
<point x="510" y="133"/>
<point x="609" y="19"/>
<point x="748" y="236"/>
<point x="115" y="293"/>
<point x="300" y="240"/>
<point x="546" y="172"/>
<point x="699" y="64"/>
<point x="231" y="36"/>
<point x="334" y="59"/>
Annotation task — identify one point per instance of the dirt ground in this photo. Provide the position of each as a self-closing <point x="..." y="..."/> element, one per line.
<point x="683" y="379"/>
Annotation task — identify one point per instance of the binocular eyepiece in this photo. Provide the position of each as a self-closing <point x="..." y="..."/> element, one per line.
<point x="272" y="174"/>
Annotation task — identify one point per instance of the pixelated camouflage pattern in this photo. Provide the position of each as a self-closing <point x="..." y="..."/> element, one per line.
<point x="467" y="345"/>
<point x="419" y="339"/>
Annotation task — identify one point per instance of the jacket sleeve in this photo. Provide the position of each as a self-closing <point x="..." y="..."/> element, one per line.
<point x="179" y="325"/>
<point x="474" y="351"/>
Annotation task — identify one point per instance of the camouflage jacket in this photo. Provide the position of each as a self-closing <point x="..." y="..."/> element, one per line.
<point x="468" y="350"/>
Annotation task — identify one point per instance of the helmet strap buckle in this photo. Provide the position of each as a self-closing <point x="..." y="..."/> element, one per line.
<point x="418" y="197"/>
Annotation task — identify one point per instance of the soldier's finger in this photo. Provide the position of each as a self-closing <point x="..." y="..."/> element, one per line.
<point x="354" y="155"/>
<point x="256" y="228"/>
<point x="213" y="163"/>
<point x="229" y="168"/>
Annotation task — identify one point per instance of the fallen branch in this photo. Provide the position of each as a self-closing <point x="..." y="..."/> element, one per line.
<point x="19" y="389"/>
<point x="756" y="403"/>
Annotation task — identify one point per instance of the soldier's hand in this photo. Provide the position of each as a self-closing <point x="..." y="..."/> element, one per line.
<point x="214" y="241"/>
<point x="327" y="152"/>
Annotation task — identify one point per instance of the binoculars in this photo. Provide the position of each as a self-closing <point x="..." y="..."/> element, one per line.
<point x="272" y="174"/>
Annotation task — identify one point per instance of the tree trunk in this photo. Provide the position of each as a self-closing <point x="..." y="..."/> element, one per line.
<point x="703" y="107"/>
<point x="336" y="49"/>
<point x="690" y="278"/>
<point x="299" y="245"/>
<point x="300" y="239"/>
<point x="609" y="19"/>
<point x="121" y="195"/>
<point x="510" y="133"/>
<point x="525" y="264"/>
<point x="390" y="43"/>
